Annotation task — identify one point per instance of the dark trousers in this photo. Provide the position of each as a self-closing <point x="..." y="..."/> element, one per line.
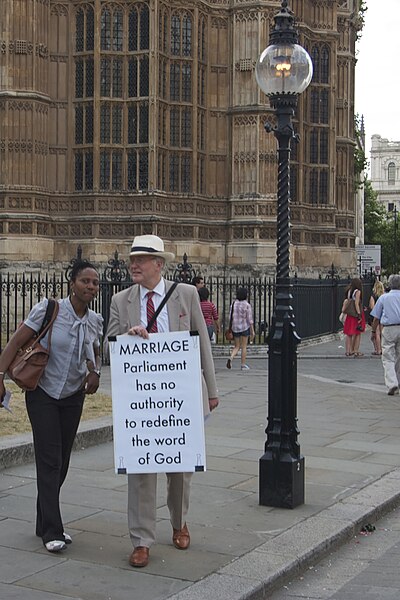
<point x="54" y="426"/>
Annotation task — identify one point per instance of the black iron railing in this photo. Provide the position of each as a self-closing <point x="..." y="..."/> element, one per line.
<point x="316" y="302"/>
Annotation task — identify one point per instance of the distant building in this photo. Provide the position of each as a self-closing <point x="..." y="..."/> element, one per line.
<point x="128" y="117"/>
<point x="385" y="171"/>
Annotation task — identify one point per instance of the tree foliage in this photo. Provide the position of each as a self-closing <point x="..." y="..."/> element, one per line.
<point x="381" y="227"/>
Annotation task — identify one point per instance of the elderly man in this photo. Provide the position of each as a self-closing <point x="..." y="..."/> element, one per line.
<point x="387" y="313"/>
<point x="130" y="312"/>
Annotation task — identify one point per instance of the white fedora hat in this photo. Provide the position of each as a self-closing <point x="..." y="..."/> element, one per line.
<point x="150" y="245"/>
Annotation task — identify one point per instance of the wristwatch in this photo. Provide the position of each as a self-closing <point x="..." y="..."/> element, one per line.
<point x="97" y="371"/>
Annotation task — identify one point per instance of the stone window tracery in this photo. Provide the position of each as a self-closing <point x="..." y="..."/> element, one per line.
<point x="139" y="25"/>
<point x="111" y="29"/>
<point x="84" y="29"/>
<point x="320" y="57"/>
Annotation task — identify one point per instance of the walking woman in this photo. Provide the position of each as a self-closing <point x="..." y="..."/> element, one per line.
<point x="55" y="406"/>
<point x="242" y="327"/>
<point x="354" y="326"/>
<point x="377" y="291"/>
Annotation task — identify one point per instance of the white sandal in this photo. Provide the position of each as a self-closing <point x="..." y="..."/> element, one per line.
<point x="67" y="538"/>
<point x="55" y="546"/>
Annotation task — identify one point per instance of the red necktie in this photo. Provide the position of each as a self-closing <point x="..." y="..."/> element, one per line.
<point x="151" y="311"/>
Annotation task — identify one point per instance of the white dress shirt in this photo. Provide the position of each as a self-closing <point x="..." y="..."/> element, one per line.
<point x="159" y="294"/>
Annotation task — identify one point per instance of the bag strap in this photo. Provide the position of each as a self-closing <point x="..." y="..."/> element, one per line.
<point x="231" y="317"/>
<point x="163" y="301"/>
<point x="48" y="320"/>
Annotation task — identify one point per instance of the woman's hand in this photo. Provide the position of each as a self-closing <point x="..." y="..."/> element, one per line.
<point x="91" y="383"/>
<point x="2" y="389"/>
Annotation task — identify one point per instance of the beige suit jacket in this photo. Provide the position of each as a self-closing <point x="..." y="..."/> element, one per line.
<point x="184" y="314"/>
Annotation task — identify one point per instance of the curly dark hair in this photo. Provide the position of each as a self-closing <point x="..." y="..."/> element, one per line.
<point x="81" y="265"/>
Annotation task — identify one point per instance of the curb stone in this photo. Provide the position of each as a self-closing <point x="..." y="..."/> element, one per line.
<point x="18" y="450"/>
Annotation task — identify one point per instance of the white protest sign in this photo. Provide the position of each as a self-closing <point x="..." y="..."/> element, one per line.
<point x="157" y="403"/>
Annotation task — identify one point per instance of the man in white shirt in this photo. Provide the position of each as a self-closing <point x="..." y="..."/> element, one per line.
<point x="387" y="313"/>
<point x="129" y="313"/>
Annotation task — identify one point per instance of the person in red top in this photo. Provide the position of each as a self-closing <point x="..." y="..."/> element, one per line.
<point x="209" y="311"/>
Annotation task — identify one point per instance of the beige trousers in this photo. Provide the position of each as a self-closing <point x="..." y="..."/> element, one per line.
<point x="142" y="504"/>
<point x="391" y="355"/>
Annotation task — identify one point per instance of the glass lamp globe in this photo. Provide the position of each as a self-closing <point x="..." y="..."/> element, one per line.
<point x="284" y="69"/>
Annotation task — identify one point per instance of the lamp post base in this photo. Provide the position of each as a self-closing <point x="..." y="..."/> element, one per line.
<point x="281" y="481"/>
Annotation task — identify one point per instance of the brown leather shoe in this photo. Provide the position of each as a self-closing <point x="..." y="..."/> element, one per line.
<point x="181" y="538"/>
<point x="139" y="557"/>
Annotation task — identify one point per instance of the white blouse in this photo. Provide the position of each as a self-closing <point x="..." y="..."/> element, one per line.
<point x="72" y="343"/>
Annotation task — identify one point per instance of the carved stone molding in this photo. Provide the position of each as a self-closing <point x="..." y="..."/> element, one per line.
<point x="267" y="210"/>
<point x="15" y="203"/>
<point x="269" y="157"/>
<point x="20" y="105"/>
<point x="218" y="69"/>
<point x="245" y="157"/>
<point x="58" y="151"/>
<point x="211" y="209"/>
<point x="246" y="15"/>
<point x="296" y="236"/>
<point x="80" y="230"/>
<point x="173" y="206"/>
<point x="245" y="64"/>
<point x="23" y="147"/>
<point x="41" y="204"/>
<point x="211" y="233"/>
<point x="245" y="210"/>
<point x="60" y="10"/>
<point x="59" y="58"/>
<point x="219" y="23"/>
<point x="268" y="232"/>
<point x="20" y="227"/>
<point x="245" y="120"/>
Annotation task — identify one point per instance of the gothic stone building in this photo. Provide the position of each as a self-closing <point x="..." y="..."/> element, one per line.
<point x="126" y="117"/>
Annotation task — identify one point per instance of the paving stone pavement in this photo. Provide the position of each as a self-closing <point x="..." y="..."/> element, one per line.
<point x="240" y="550"/>
<point x="365" y="568"/>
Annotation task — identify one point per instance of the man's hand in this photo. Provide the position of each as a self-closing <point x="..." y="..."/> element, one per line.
<point x="139" y="330"/>
<point x="213" y="403"/>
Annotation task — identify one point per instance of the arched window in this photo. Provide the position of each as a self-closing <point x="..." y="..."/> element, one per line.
<point x="112" y="30"/>
<point x="391" y="173"/>
<point x="105" y="31"/>
<point x="321" y="64"/>
<point x="324" y="67"/>
<point x="84" y="29"/>
<point x="315" y="62"/>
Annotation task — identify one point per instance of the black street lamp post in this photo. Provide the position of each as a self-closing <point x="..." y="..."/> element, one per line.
<point x="283" y="71"/>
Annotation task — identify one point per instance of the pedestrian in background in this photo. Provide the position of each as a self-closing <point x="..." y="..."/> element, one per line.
<point x="242" y="327"/>
<point x="377" y="291"/>
<point x="354" y="326"/>
<point x="198" y="281"/>
<point x="209" y="311"/>
<point x="386" y="313"/>
<point x="55" y="406"/>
